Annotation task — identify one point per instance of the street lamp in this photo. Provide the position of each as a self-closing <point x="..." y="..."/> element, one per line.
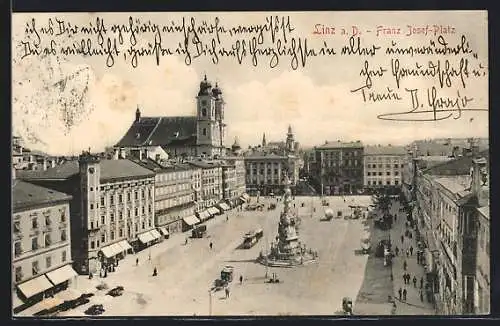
<point x="210" y="302"/>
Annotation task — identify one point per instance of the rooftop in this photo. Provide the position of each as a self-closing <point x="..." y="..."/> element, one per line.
<point x="340" y="144"/>
<point x="162" y="131"/>
<point x="385" y="150"/>
<point x="25" y="195"/>
<point x="262" y="155"/>
<point x="163" y="166"/>
<point x="110" y="169"/>
<point x="204" y="164"/>
<point x="455" y="184"/>
<point x="459" y="166"/>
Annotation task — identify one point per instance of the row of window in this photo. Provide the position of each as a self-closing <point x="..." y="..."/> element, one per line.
<point x="344" y="153"/>
<point x="120" y="215"/>
<point x="381" y="173"/>
<point x="382" y="158"/>
<point x="35" y="267"/>
<point x="35" y="245"/>
<point x="261" y="171"/>
<point x="34" y="221"/>
<point x="342" y="163"/>
<point x="171" y="202"/>
<point x="173" y="189"/>
<point x="387" y="166"/>
<point x="380" y="183"/>
<point x="180" y="175"/>
<point x="112" y="197"/>
<point x="112" y="235"/>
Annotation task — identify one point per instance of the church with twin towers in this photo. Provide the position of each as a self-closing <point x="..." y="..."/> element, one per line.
<point x="202" y="135"/>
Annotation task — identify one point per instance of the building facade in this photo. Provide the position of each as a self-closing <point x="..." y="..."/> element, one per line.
<point x="211" y="182"/>
<point x="174" y="194"/>
<point x="238" y="187"/>
<point x="339" y="167"/>
<point x="41" y="243"/>
<point x="112" y="208"/>
<point x="187" y="136"/>
<point x="383" y="166"/>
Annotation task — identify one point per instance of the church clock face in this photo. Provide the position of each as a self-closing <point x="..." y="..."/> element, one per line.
<point x="91" y="170"/>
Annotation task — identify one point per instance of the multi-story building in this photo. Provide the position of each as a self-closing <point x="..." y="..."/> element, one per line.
<point x="112" y="207"/>
<point x="190" y="136"/>
<point x="174" y="194"/>
<point x="237" y="187"/>
<point x="265" y="172"/>
<point x="448" y="206"/>
<point x="338" y="167"/>
<point x="41" y="243"/>
<point x="383" y="166"/>
<point x="211" y="187"/>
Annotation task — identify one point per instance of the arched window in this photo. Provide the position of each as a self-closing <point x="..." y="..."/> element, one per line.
<point x="204" y="112"/>
<point x="204" y="131"/>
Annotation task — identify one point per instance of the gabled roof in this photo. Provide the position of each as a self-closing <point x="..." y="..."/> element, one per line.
<point x="25" y="194"/>
<point x="152" y="131"/>
<point x="454" y="184"/>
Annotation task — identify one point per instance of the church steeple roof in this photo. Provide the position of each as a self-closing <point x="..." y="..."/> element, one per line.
<point x="264" y="143"/>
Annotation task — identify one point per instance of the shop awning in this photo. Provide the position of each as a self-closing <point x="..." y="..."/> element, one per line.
<point x="62" y="274"/>
<point x="155" y="234"/>
<point x="245" y="196"/>
<point x="203" y="215"/>
<point x="145" y="237"/>
<point x="125" y="245"/>
<point x="35" y="286"/>
<point x="224" y="206"/>
<point x="191" y="220"/>
<point x="214" y="211"/>
<point x="111" y="250"/>
<point x="163" y="230"/>
<point x="243" y="199"/>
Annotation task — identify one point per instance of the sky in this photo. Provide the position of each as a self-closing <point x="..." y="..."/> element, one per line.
<point x="63" y="104"/>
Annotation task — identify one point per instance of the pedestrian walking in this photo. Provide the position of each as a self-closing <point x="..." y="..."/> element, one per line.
<point x="400" y="292"/>
<point x="404" y="294"/>
<point x="241" y="279"/>
<point x="211" y="245"/>
<point x="411" y="250"/>
<point x="392" y="277"/>
<point x="397" y="251"/>
<point x="395" y="217"/>
<point x="402" y="239"/>
<point x="227" y="292"/>
<point x="149" y="256"/>
<point x="410" y="235"/>
<point x="136" y="261"/>
<point x="414" y="281"/>
<point x="227" y="218"/>
<point x="407" y="253"/>
<point x="405" y="265"/>
<point x="421" y="296"/>
<point x="155" y="272"/>
<point x="186" y="242"/>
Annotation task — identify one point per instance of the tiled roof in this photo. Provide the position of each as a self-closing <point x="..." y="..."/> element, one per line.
<point x="385" y="150"/>
<point x="340" y="144"/>
<point x="455" y="184"/>
<point x="110" y="169"/>
<point x="25" y="194"/>
<point x="261" y="155"/>
<point x="152" y="165"/>
<point x="152" y="131"/>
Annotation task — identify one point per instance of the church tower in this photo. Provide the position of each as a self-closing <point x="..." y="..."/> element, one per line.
<point x="290" y="141"/>
<point x="264" y="143"/>
<point x="210" y="116"/>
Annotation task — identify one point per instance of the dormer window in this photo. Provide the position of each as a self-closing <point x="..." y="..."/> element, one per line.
<point x="137" y="135"/>
<point x="204" y="112"/>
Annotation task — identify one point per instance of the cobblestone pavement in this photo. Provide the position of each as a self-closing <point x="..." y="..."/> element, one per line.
<point x="413" y="305"/>
<point x="186" y="272"/>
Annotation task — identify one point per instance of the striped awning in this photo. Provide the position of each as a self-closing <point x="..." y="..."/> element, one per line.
<point x="112" y="250"/>
<point x="245" y="196"/>
<point x="156" y="235"/>
<point x="35" y="286"/>
<point x="191" y="220"/>
<point x="61" y="275"/>
<point x="145" y="237"/>
<point x="163" y="230"/>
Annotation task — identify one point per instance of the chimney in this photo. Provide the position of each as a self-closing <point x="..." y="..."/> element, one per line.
<point x="122" y="153"/>
<point x="140" y="155"/>
<point x="44" y="164"/>
<point x="53" y="163"/>
<point x="116" y="154"/>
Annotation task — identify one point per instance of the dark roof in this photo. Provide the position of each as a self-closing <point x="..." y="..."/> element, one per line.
<point x="26" y="195"/>
<point x="110" y="169"/>
<point x="459" y="166"/>
<point x="260" y="155"/>
<point x="385" y="150"/>
<point x="340" y="144"/>
<point x="153" y="131"/>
